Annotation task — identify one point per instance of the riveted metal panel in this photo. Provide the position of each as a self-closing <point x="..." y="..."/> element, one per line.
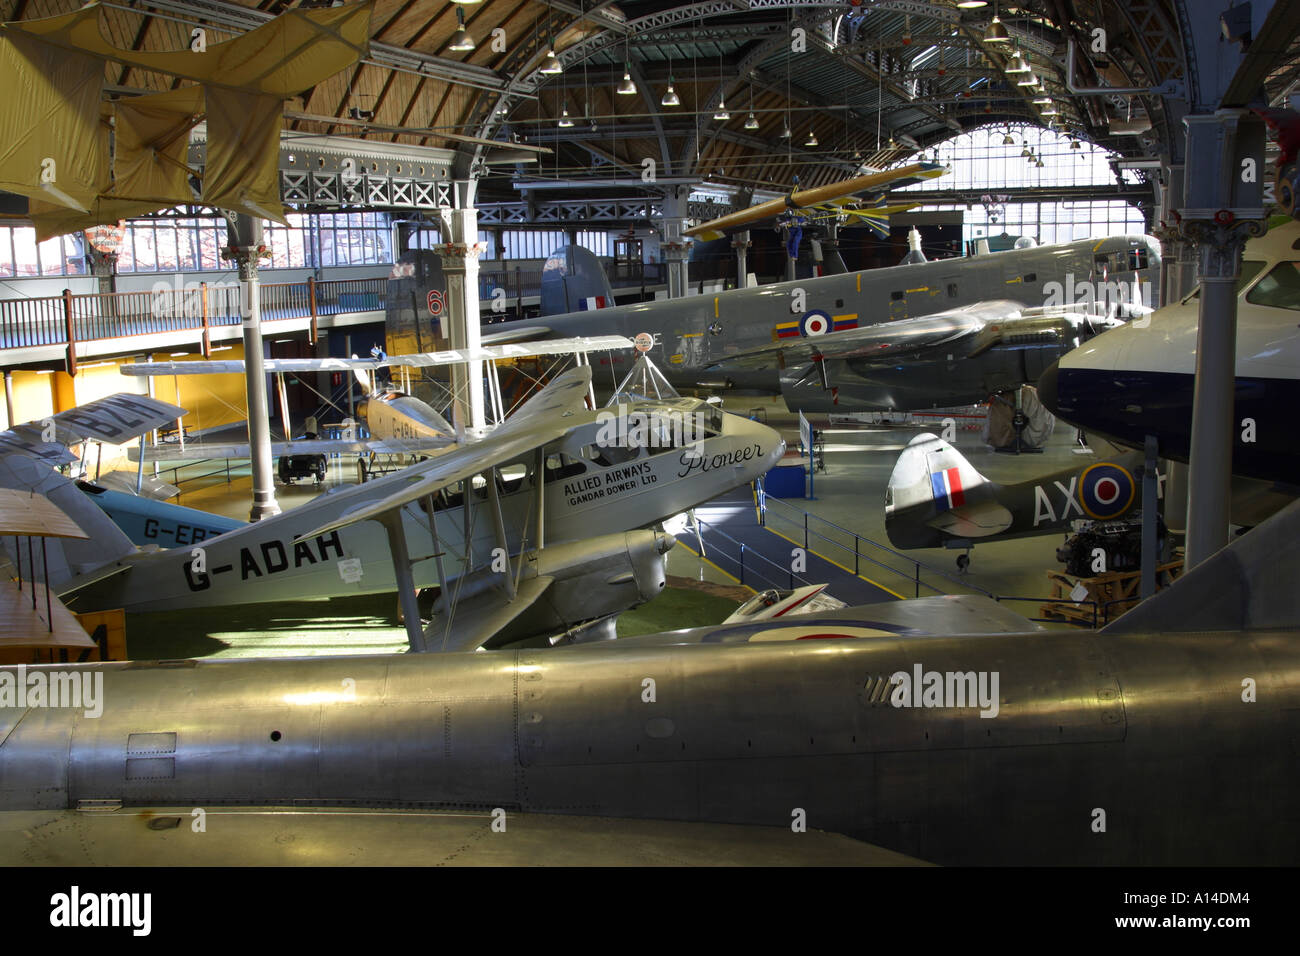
<point x="1058" y="691"/>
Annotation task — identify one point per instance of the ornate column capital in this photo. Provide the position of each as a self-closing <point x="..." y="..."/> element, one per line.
<point x="1218" y="243"/>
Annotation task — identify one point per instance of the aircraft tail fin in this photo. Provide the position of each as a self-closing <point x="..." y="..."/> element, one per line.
<point x="934" y="493"/>
<point x="1248" y="585"/>
<point x="932" y="470"/>
<point x="574" y="280"/>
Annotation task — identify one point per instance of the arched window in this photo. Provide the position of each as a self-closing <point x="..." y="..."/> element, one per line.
<point x="983" y="160"/>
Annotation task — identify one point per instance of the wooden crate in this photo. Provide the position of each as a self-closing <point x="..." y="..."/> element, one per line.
<point x="1111" y="593"/>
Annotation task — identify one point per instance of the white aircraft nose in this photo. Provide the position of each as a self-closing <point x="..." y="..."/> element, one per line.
<point x="776" y="450"/>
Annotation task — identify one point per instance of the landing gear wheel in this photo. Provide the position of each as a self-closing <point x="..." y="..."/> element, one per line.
<point x="963" y="562"/>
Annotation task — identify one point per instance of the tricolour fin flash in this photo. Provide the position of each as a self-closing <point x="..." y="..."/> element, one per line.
<point x="935" y="492"/>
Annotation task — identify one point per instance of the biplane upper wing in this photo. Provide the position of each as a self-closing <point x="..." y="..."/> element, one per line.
<point x="115" y="420"/>
<point x="544" y="418"/>
<point x="872" y="184"/>
<point x="484" y="353"/>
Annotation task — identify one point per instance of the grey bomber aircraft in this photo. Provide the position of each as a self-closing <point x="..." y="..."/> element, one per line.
<point x="554" y="472"/>
<point x="936" y="499"/>
<point x="993" y="745"/>
<point x="912" y="336"/>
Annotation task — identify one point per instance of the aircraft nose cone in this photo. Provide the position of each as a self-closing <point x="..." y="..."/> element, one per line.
<point x="777" y="454"/>
<point x="1047" y="385"/>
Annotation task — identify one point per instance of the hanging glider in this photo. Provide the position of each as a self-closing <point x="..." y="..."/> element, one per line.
<point x="870" y="190"/>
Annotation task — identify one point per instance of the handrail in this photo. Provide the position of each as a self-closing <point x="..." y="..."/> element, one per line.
<point x="1100" y="610"/>
<point x="913" y="566"/>
<point x="58" y="320"/>
<point x="739" y="559"/>
<point x="91" y="316"/>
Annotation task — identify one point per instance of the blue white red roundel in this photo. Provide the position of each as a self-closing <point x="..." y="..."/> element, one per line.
<point x="815" y="322"/>
<point x="1106" y="491"/>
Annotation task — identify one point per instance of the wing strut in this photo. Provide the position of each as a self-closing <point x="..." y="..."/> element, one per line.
<point x="494" y="393"/>
<point x="499" y="528"/>
<point x="581" y="359"/>
<point x="283" y="396"/>
<point x="437" y="545"/>
<point x="539" y="482"/>
<point x="392" y="522"/>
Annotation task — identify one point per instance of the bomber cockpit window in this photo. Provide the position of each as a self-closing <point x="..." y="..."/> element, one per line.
<point x="1280" y="288"/>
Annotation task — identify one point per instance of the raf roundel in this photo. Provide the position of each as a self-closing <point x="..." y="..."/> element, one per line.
<point x="1106" y="491"/>
<point x="815" y="322"/>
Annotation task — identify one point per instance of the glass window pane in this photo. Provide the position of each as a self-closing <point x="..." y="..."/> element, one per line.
<point x="6" y="251"/>
<point x="25" y="251"/>
<point x="51" y="255"/>
<point x="296" y="255"/>
<point x="1280" y="288"/>
<point x="146" y="259"/>
<point x="165" y="244"/>
<point x="210" y="242"/>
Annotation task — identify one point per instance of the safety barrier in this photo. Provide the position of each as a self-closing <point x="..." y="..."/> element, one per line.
<point x="820" y="536"/>
<point x="850" y="548"/>
<point x="782" y="575"/>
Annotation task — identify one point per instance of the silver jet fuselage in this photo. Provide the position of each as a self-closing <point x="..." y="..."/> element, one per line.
<point x="1150" y="729"/>
<point x="589" y="489"/>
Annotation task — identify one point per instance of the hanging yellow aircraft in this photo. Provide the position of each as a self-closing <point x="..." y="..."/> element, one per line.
<point x="860" y="197"/>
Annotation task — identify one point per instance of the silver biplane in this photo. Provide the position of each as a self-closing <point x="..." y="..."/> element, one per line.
<point x="471" y="521"/>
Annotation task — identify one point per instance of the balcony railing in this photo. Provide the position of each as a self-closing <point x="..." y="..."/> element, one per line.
<point x="69" y="318"/>
<point x="72" y="318"/>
